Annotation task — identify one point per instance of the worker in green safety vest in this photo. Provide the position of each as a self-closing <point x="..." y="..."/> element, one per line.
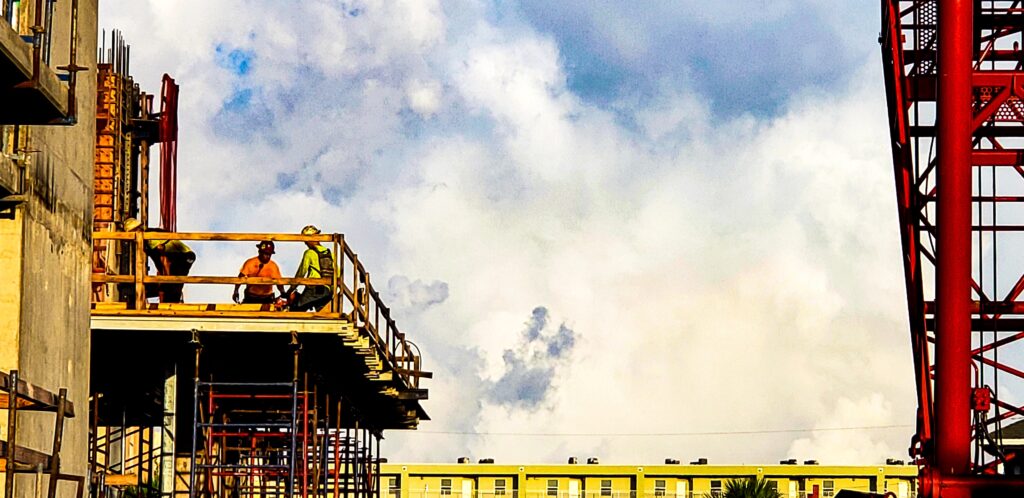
<point x="317" y="262"/>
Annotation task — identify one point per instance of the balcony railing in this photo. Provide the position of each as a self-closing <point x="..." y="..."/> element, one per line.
<point x="353" y="296"/>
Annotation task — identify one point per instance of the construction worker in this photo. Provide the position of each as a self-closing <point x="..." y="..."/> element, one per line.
<point x="317" y="262"/>
<point x="171" y="257"/>
<point x="259" y="266"/>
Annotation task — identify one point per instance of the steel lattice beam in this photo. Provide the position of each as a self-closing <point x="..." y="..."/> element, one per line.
<point x="954" y="74"/>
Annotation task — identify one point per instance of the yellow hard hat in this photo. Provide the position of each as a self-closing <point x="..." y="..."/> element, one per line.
<point x="131" y="224"/>
<point x="310" y="230"/>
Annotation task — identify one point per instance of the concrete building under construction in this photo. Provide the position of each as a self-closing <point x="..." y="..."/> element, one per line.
<point x="47" y="135"/>
<point x="142" y="396"/>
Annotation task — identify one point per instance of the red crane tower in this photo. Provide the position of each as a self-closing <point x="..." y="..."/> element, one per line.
<point x="954" y="75"/>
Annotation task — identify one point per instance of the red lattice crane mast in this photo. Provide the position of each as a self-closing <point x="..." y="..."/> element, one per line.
<point x="954" y="74"/>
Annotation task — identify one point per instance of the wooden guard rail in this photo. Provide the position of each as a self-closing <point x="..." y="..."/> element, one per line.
<point x="353" y="296"/>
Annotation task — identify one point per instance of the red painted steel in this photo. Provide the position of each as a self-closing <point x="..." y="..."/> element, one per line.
<point x="954" y="77"/>
<point x="953" y="271"/>
<point x="168" y="129"/>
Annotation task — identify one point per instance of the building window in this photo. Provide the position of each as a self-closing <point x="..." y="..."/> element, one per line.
<point x="606" y="487"/>
<point x="393" y="488"/>
<point x="716" y="489"/>
<point x="552" y="487"/>
<point x="828" y="488"/>
<point x="499" y="487"/>
<point x="446" y="487"/>
<point x="659" y="487"/>
<point x="773" y="485"/>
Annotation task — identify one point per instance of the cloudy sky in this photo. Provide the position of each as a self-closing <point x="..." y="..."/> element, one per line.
<point x="632" y="230"/>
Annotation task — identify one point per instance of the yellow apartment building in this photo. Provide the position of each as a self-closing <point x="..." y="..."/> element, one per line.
<point x="488" y="480"/>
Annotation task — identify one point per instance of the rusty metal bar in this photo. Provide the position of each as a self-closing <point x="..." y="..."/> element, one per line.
<point x="12" y="437"/>
<point x="58" y="438"/>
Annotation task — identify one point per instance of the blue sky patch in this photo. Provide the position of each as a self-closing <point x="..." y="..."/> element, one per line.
<point x="243" y="116"/>
<point x="236" y="60"/>
<point x="611" y="52"/>
<point x="530" y="368"/>
<point x="239" y="100"/>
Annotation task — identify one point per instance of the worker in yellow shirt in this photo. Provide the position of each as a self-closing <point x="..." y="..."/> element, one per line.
<point x="171" y="257"/>
<point x="259" y="266"/>
<point x="317" y="262"/>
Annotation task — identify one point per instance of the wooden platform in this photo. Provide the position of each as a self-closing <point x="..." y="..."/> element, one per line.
<point x="286" y="323"/>
<point x="212" y="310"/>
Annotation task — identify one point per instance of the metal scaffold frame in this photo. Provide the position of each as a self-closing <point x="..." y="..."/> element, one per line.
<point x="275" y="439"/>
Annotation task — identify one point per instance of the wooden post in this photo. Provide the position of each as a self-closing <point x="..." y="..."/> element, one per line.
<point x="140" y="271"/>
<point x="356" y="308"/>
<point x="334" y="278"/>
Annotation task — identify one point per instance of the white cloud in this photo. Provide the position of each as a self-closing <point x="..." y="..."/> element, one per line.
<point x="841" y="446"/>
<point x="424" y="97"/>
<point x="718" y="275"/>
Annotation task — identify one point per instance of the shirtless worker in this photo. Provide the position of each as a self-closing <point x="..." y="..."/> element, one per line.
<point x="259" y="266"/>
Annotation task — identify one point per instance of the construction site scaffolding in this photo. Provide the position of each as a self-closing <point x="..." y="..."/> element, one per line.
<point x="279" y="440"/>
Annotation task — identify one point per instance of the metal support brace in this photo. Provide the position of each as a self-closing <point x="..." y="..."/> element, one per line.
<point x="195" y="414"/>
<point x="12" y="435"/>
<point x="167" y="434"/>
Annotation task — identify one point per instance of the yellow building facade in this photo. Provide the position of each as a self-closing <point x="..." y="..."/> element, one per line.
<point x="485" y="480"/>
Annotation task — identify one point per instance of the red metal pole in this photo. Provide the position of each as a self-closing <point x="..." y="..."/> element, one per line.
<point x="953" y="272"/>
<point x="209" y="447"/>
<point x="305" y="439"/>
<point x="252" y="466"/>
<point x="337" y="449"/>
